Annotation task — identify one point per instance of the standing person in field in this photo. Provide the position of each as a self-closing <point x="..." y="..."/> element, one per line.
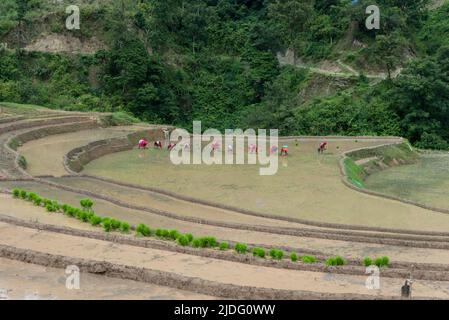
<point x="284" y="151"/>
<point x="322" y="147"/>
<point x="142" y="143"/>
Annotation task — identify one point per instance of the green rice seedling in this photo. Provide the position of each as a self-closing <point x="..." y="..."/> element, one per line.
<point x="86" y="204"/>
<point x="107" y="226"/>
<point x="37" y="201"/>
<point x="293" y="257"/>
<point x="259" y="252"/>
<point x="16" y="193"/>
<point x="159" y="233"/>
<point x="308" y="259"/>
<point x="23" y="194"/>
<point x="335" y="261"/>
<point x="31" y="196"/>
<point x="189" y="237"/>
<point x="340" y="261"/>
<point x="183" y="240"/>
<point x="165" y="233"/>
<point x="50" y="207"/>
<point x="241" y="248"/>
<point x="115" y="224"/>
<point x="207" y="242"/>
<point x="95" y="220"/>
<point x="143" y="230"/>
<point x="174" y="234"/>
<point x="382" y="262"/>
<point x="124" y="227"/>
<point x="196" y="243"/>
<point x="276" y="254"/>
<point x="367" y="261"/>
<point x="224" y="246"/>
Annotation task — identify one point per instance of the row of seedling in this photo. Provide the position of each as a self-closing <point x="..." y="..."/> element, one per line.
<point x="86" y="214"/>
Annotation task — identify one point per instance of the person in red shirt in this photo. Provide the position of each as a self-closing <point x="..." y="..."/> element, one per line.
<point x="323" y="146"/>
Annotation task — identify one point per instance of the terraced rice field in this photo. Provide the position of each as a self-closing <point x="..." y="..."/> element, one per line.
<point x="425" y="182"/>
<point x="305" y="208"/>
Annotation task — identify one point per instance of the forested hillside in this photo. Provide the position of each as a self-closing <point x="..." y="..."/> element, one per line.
<point x="220" y="61"/>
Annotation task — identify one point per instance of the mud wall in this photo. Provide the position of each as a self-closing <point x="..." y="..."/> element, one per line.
<point x="43" y="122"/>
<point x="76" y="159"/>
<point x="173" y="280"/>
<point x="52" y="130"/>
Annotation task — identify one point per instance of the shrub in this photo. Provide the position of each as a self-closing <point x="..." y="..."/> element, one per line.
<point x="293" y="257"/>
<point x="95" y="220"/>
<point x="16" y="193"/>
<point x="259" y="252"/>
<point x="308" y="259"/>
<point x="183" y="240"/>
<point x="276" y="254"/>
<point x="367" y="261"/>
<point x="241" y="248"/>
<point x="224" y="246"/>
<point x="107" y="226"/>
<point x="124" y="227"/>
<point x="143" y="230"/>
<point x="23" y="194"/>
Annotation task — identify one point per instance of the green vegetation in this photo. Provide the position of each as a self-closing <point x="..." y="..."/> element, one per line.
<point x="215" y="61"/>
<point x="259" y="252"/>
<point x="354" y="172"/>
<point x="276" y="254"/>
<point x="308" y="259"/>
<point x="335" y="261"/>
<point x="293" y="257"/>
<point x="367" y="261"/>
<point x="382" y="262"/>
<point x="241" y="248"/>
<point x="224" y="246"/>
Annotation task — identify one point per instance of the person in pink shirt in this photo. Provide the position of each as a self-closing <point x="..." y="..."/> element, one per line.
<point x="142" y="143"/>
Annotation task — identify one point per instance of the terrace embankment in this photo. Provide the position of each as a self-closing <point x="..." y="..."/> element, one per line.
<point x="198" y="274"/>
<point x="359" y="164"/>
<point x="76" y="159"/>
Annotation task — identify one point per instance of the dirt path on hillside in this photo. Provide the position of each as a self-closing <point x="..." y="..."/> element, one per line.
<point x="204" y="268"/>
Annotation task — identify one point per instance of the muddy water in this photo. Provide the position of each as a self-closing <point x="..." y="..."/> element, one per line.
<point x="162" y="202"/>
<point x="206" y="268"/>
<point x="426" y="182"/>
<point x="307" y="186"/>
<point x="44" y="156"/>
<point x="24" y="210"/>
<point x="22" y="281"/>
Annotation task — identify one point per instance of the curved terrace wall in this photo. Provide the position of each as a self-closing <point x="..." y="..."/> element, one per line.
<point x="76" y="159"/>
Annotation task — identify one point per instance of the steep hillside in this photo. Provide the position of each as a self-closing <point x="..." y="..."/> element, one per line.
<point x="303" y="66"/>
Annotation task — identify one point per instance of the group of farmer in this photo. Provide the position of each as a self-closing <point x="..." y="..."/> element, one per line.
<point x="252" y="148"/>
